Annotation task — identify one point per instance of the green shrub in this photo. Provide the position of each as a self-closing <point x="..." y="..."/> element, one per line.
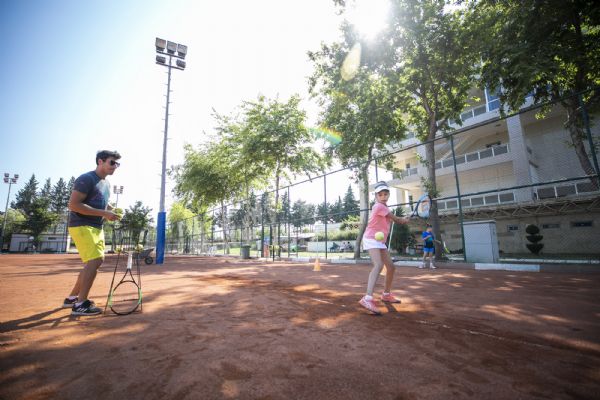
<point x="350" y="234"/>
<point x="535" y="247"/>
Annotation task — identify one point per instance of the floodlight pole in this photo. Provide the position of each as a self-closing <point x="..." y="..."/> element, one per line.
<point x="10" y="181"/>
<point x="162" y="217"/>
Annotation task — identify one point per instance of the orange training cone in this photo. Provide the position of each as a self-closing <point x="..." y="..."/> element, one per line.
<point x="317" y="266"/>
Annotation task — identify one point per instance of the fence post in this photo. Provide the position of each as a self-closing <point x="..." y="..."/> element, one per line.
<point x="287" y="218"/>
<point x="460" y="212"/>
<point x="262" y="226"/>
<point x="586" y="123"/>
<point x="326" y="210"/>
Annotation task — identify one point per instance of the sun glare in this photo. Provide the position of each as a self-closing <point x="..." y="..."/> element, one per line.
<point x="368" y="16"/>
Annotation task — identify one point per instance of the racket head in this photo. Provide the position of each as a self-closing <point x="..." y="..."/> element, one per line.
<point x="125" y="298"/>
<point x="423" y="206"/>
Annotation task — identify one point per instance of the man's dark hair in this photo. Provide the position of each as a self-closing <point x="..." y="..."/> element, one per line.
<point x="104" y="154"/>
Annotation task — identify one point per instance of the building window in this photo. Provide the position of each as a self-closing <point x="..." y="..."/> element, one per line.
<point x="511" y="228"/>
<point x="550" y="226"/>
<point x="582" y="224"/>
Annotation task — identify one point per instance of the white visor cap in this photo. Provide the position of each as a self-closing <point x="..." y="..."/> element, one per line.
<point x="379" y="186"/>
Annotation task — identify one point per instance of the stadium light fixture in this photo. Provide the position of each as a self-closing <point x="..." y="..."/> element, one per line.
<point x="179" y="51"/>
<point x="161" y="44"/>
<point x="10" y="181"/>
<point x="171" y="47"/>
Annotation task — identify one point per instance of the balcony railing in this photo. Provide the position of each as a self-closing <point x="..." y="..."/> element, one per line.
<point x="564" y="190"/>
<point x="491" y="199"/>
<point x="406" y="172"/>
<point x="493" y="151"/>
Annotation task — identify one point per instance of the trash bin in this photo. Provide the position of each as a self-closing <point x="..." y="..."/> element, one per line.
<point x="245" y="251"/>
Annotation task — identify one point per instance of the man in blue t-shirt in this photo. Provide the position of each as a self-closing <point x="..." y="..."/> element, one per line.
<point x="428" y="247"/>
<point x="88" y="207"/>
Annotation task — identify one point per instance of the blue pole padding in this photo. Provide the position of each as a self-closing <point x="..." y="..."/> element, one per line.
<point x="160" y="237"/>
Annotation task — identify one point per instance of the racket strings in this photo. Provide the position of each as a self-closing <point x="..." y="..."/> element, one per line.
<point x="125" y="298"/>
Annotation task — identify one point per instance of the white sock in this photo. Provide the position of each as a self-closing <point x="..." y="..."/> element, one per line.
<point x="72" y="298"/>
<point x="386" y="293"/>
<point x="369" y="298"/>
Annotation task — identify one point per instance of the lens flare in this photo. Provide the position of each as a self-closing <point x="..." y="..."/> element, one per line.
<point x="328" y="134"/>
<point x="351" y="63"/>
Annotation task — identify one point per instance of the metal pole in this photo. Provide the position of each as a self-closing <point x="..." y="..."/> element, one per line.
<point x="262" y="227"/>
<point x="460" y="213"/>
<point x="161" y="221"/>
<point x="586" y="123"/>
<point x="288" y="221"/>
<point x="5" y="216"/>
<point x="325" y="209"/>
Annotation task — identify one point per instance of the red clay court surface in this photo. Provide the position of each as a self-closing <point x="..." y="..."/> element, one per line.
<point x="224" y="328"/>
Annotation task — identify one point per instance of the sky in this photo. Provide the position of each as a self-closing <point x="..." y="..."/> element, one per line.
<point x="80" y="76"/>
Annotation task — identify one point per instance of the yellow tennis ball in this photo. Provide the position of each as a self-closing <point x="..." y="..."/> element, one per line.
<point x="379" y="236"/>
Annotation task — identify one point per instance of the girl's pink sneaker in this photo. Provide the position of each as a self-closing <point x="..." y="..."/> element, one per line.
<point x="369" y="305"/>
<point x="389" y="298"/>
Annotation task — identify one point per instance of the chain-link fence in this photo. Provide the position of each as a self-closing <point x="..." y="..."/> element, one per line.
<point x="533" y="179"/>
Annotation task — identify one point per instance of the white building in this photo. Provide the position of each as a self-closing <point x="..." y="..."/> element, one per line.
<point x="492" y="159"/>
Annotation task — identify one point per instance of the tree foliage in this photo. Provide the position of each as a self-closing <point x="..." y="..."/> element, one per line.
<point x="416" y="74"/>
<point x="137" y="218"/>
<point x="25" y="197"/>
<point x="60" y="197"/>
<point x="39" y="218"/>
<point x="547" y="48"/>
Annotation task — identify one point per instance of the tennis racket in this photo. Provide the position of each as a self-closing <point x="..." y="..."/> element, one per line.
<point x="442" y="245"/>
<point x="423" y="207"/>
<point x="126" y="296"/>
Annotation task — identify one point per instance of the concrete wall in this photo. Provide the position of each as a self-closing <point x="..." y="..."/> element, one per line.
<point x="561" y="236"/>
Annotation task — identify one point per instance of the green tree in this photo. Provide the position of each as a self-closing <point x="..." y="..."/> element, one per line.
<point x="400" y="236"/>
<point x="70" y="185"/>
<point x="14" y="219"/>
<point x="364" y="111"/>
<point x="302" y="213"/>
<point x="137" y="219"/>
<point x="181" y="223"/>
<point x="25" y="197"/>
<point x="274" y="137"/>
<point x="350" y="204"/>
<point x="549" y="48"/>
<point x="336" y="211"/>
<point x="322" y="212"/>
<point x="180" y="219"/>
<point x="39" y="219"/>
<point x="46" y="191"/>
<point x="210" y="175"/>
<point x="432" y="61"/>
<point x="60" y="197"/>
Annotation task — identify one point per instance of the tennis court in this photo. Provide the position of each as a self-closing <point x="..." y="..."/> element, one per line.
<point x="225" y="328"/>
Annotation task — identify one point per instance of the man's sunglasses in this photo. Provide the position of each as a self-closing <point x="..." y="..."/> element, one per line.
<point x="113" y="163"/>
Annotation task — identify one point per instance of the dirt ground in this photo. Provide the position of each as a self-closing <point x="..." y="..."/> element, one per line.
<point x="224" y="328"/>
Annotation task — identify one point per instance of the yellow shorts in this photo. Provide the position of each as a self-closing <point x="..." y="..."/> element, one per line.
<point x="89" y="242"/>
